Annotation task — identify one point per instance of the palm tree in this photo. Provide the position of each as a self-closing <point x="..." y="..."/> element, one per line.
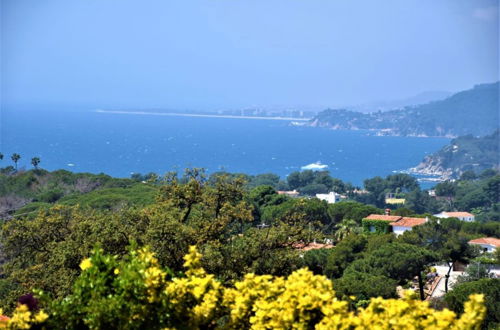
<point x="344" y="228"/>
<point x="15" y="158"/>
<point x="35" y="161"/>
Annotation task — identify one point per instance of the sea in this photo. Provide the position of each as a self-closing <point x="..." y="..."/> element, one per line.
<point x="123" y="144"/>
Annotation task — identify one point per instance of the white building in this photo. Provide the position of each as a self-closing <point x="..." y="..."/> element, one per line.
<point x="330" y="198"/>
<point x="488" y="244"/>
<point x="397" y="223"/>
<point x="464" y="216"/>
<point x="405" y="224"/>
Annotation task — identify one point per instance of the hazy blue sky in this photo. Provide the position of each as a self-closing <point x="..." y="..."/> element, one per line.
<point x="212" y="54"/>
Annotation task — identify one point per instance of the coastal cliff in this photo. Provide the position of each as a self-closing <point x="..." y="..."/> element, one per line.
<point x="473" y="111"/>
<point x="466" y="153"/>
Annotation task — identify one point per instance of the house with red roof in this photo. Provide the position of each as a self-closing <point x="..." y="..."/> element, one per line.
<point x="488" y="244"/>
<point x="385" y="223"/>
<point x="405" y="224"/>
<point x="464" y="216"/>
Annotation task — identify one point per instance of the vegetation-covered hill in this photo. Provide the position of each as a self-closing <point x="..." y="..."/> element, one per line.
<point x="25" y="191"/>
<point x="466" y="153"/>
<point x="473" y="111"/>
<point x="245" y="230"/>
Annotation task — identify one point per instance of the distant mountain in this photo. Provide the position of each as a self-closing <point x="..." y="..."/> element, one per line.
<point x="462" y="154"/>
<point x="473" y="111"/>
<point x="421" y="98"/>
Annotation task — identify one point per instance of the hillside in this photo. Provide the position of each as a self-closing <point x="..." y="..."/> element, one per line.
<point x="465" y="153"/>
<point x="473" y="111"/>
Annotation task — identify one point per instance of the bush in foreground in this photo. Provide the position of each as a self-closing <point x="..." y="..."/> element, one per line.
<point x="137" y="293"/>
<point x="490" y="287"/>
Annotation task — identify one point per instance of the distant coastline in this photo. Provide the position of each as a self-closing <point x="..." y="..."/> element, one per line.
<point x="120" y="112"/>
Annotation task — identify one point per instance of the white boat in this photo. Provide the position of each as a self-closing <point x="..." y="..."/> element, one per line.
<point x="314" y="166"/>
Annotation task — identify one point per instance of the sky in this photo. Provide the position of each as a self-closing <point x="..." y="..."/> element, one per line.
<point x="232" y="54"/>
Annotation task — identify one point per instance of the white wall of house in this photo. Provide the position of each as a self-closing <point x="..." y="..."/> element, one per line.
<point x="330" y="198"/>
<point x="487" y="247"/>
<point x="444" y="216"/>
<point x="398" y="230"/>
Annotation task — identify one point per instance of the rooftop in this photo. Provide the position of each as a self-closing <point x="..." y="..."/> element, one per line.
<point x="312" y="246"/>
<point x="486" y="240"/>
<point x="284" y="192"/>
<point x="383" y="217"/>
<point x="396" y="220"/>
<point x="457" y="214"/>
<point x="409" y="222"/>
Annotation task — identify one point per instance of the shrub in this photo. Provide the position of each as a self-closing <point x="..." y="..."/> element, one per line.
<point x="137" y="293"/>
<point x="491" y="290"/>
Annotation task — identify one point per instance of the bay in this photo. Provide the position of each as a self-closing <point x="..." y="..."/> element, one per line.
<point x="122" y="144"/>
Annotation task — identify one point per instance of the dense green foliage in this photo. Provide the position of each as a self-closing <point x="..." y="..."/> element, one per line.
<point x="375" y="226"/>
<point x="310" y="182"/>
<point x="489" y="287"/>
<point x="477" y="194"/>
<point x="44" y="251"/>
<point x="239" y="227"/>
<point x="27" y="191"/>
<point x="472" y="111"/>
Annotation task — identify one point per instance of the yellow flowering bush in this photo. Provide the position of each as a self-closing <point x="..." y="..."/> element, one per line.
<point x="138" y="293"/>
<point x="23" y="318"/>
<point x="196" y="297"/>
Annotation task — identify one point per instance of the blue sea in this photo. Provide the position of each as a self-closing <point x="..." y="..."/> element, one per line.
<point x="119" y="145"/>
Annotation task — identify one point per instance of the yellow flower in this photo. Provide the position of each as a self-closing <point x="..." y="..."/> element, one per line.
<point x="41" y="317"/>
<point x="301" y="300"/>
<point x="85" y="264"/>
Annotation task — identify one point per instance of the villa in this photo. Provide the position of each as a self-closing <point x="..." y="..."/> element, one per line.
<point x="488" y="244"/>
<point x="292" y="193"/>
<point x="330" y="198"/>
<point x="464" y="216"/>
<point x="386" y="223"/>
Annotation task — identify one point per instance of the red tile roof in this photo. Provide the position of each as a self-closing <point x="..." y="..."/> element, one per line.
<point x="383" y="217"/>
<point x="408" y="222"/>
<point x="396" y="220"/>
<point x="284" y="192"/>
<point x="486" y="240"/>
<point x="312" y="246"/>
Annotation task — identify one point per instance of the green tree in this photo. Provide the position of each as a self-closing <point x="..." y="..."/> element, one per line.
<point x="398" y="261"/>
<point x="313" y="189"/>
<point x="489" y="287"/>
<point x="468" y="176"/>
<point x="446" y="188"/>
<point x="316" y="260"/>
<point x="351" y="210"/>
<point x="401" y="182"/>
<point x="377" y="188"/>
<point x="364" y="286"/>
<point x="35" y="161"/>
<point x="450" y="244"/>
<point x="345" y="228"/>
<point x="15" y="158"/>
<point x="348" y="250"/>
<point x="488" y="173"/>
<point x="421" y="202"/>
<point x="492" y="189"/>
<point x="267" y="179"/>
